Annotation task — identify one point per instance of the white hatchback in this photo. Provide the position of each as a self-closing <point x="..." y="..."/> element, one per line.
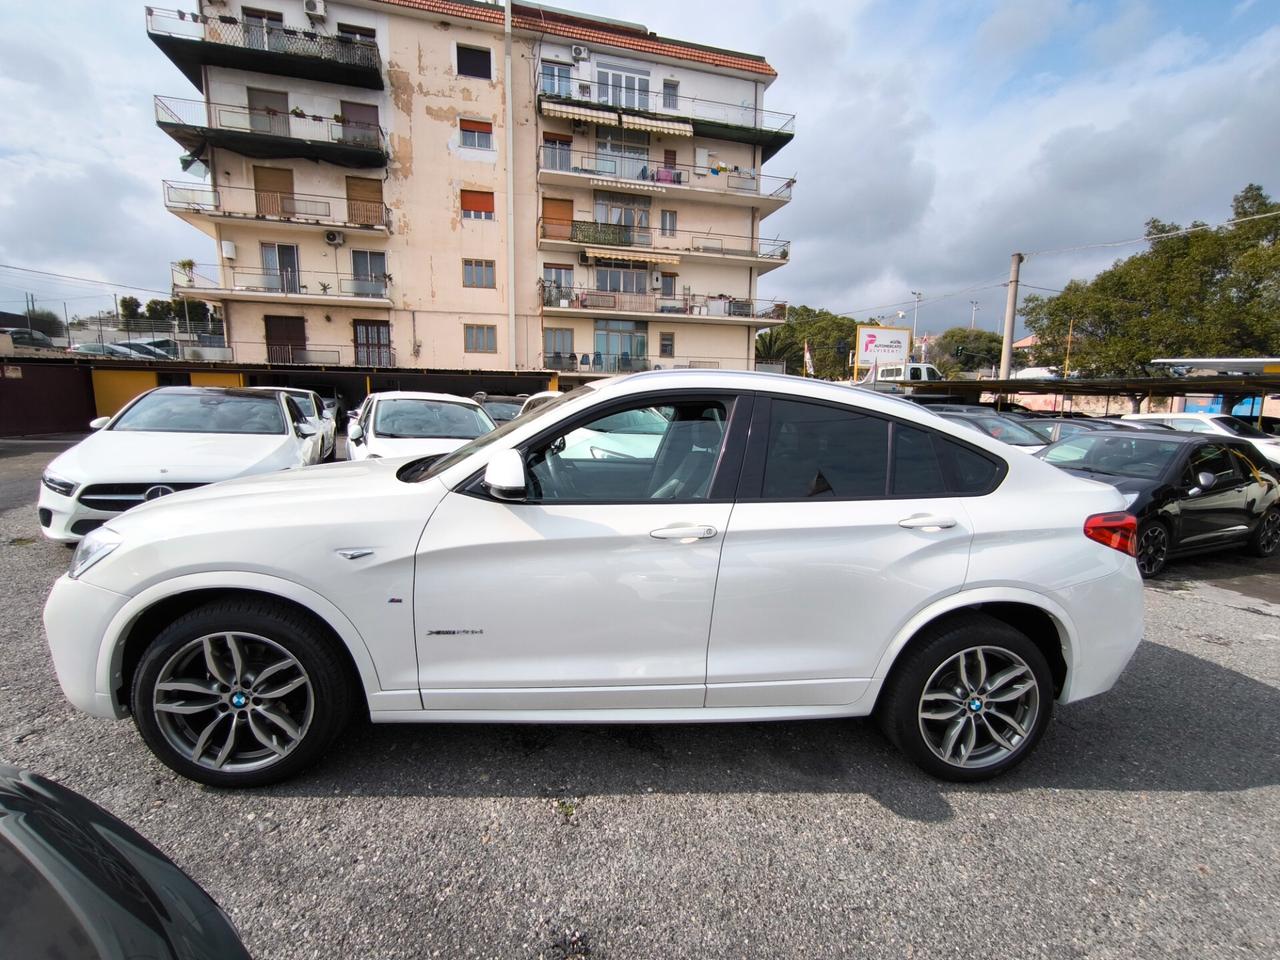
<point x="404" y="423"/>
<point x="669" y="547"/>
<point x="1221" y="424"/>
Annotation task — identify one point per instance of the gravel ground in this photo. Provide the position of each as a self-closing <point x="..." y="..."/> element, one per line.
<point x="1147" y="824"/>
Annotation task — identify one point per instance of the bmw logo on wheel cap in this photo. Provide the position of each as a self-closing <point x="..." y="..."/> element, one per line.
<point x="975" y="705"/>
<point x="159" y="490"/>
<point x="238" y="699"/>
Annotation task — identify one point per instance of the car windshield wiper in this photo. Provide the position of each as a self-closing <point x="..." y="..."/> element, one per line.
<point x="1105" y="473"/>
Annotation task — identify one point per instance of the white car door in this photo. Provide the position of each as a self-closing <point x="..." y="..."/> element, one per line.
<point x="594" y="592"/>
<point x="308" y="443"/>
<point x="846" y="525"/>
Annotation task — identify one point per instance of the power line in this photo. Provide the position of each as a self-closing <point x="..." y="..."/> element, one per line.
<point x="924" y="300"/>
<point x="1155" y="236"/>
<point x="101" y="283"/>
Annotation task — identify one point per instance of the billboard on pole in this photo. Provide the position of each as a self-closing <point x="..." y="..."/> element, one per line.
<point x="882" y="345"/>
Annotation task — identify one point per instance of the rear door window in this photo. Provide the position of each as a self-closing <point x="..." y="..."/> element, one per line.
<point x="818" y="452"/>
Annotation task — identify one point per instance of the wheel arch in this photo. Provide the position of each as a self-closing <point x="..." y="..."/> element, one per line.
<point x="1035" y="616"/>
<point x="145" y="615"/>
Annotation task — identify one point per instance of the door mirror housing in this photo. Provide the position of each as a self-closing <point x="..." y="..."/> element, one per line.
<point x="97" y="423"/>
<point x="1204" y="481"/>
<point x="505" y="475"/>
<point x="305" y="429"/>
<point x="355" y="433"/>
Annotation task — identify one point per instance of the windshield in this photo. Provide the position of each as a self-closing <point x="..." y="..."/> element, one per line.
<point x="405" y="418"/>
<point x="1239" y="427"/>
<point x="305" y="404"/>
<point x="503" y="409"/>
<point x="467" y="449"/>
<point x="1006" y="431"/>
<point x="1117" y="454"/>
<point x="1042" y="430"/>
<point x="203" y="413"/>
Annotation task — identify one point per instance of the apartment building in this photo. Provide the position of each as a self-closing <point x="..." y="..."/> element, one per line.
<point x="448" y="185"/>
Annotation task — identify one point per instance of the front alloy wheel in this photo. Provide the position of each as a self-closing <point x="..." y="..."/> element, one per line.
<point x="1153" y="549"/>
<point x="1266" y="536"/>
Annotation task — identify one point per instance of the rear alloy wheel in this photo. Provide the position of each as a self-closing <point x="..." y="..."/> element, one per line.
<point x="1153" y="548"/>
<point x="970" y="701"/>
<point x="240" y="694"/>
<point x="1266" y="536"/>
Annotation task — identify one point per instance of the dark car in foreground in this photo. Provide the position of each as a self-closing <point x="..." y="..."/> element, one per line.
<point x="1191" y="493"/>
<point x="78" y="884"/>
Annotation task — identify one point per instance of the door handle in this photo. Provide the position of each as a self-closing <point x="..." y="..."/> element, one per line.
<point x="684" y="532"/>
<point x="927" y="521"/>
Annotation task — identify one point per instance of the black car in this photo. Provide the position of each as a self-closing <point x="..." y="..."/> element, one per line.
<point x="1004" y="429"/>
<point x="1153" y="425"/>
<point x="1190" y="492"/>
<point x="500" y="409"/>
<point x="23" y="337"/>
<point x="76" y="883"/>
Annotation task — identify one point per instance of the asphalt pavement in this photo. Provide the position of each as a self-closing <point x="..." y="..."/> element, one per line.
<point x="1147" y="824"/>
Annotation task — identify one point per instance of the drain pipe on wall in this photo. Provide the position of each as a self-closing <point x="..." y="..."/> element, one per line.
<point x="509" y="125"/>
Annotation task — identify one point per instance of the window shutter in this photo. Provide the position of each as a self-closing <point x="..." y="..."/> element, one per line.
<point x="477" y="126"/>
<point x="477" y="201"/>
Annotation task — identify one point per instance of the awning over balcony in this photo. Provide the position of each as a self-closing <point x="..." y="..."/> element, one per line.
<point x="631" y="253"/>
<point x="676" y="128"/>
<point x="571" y="112"/>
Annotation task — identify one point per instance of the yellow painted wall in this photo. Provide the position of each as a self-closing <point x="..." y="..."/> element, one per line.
<point x="216" y="378"/>
<point x="112" y="389"/>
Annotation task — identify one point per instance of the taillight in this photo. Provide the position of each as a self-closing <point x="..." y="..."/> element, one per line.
<point x="1119" y="531"/>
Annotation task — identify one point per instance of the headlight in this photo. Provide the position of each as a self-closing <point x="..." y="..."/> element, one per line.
<point x="96" y="545"/>
<point x="1129" y="499"/>
<point x="58" y="484"/>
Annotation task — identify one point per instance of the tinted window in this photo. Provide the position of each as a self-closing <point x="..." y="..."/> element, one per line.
<point x="1192" y="426"/>
<point x="926" y="464"/>
<point x="823" y="452"/>
<point x="1117" y="453"/>
<point x="401" y="418"/>
<point x="1240" y="428"/>
<point x="203" y="413"/>
<point x="657" y="452"/>
<point x="1212" y="458"/>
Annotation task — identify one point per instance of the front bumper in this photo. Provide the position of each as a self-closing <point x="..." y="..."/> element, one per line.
<point x="66" y="519"/>
<point x="77" y="617"/>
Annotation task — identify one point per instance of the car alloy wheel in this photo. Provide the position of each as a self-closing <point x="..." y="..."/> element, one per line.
<point x="979" y="707"/>
<point x="233" y="702"/>
<point x="1153" y="549"/>
<point x="1268" y="538"/>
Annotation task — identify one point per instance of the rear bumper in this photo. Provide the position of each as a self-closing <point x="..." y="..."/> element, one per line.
<point x="1107" y="619"/>
<point x="76" y="619"/>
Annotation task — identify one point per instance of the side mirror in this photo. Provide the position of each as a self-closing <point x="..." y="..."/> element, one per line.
<point x="327" y="413"/>
<point x="305" y="429"/>
<point x="1204" y="481"/>
<point x="355" y="433"/>
<point x="97" y="423"/>
<point x="505" y="477"/>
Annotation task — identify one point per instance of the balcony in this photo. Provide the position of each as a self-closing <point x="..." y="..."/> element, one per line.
<point x="292" y="354"/>
<point x="611" y="364"/>
<point x="279" y="286"/>
<point x="628" y="242"/>
<point x="664" y="112"/>
<point x="199" y="200"/>
<point x="193" y="42"/>
<point x="576" y="301"/>
<point x="270" y="134"/>
<point x="562" y="166"/>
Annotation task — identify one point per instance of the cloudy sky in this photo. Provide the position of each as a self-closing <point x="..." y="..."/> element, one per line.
<point x="934" y="138"/>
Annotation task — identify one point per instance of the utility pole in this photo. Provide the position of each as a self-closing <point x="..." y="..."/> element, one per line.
<point x="973" y="316"/>
<point x="31" y="305"/>
<point x="915" y="319"/>
<point x="1010" y="314"/>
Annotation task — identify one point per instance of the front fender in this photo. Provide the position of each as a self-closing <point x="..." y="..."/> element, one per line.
<point x="111" y="653"/>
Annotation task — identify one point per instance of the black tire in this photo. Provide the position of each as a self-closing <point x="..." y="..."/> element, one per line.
<point x="900" y="704"/>
<point x="1265" y="539"/>
<point x="272" y="630"/>
<point x="1154" y="544"/>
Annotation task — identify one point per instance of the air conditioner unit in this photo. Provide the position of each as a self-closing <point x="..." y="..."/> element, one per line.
<point x="314" y="9"/>
<point x="579" y="127"/>
<point x="583" y="259"/>
<point x="228" y="249"/>
<point x="334" y="238"/>
<point x="580" y="52"/>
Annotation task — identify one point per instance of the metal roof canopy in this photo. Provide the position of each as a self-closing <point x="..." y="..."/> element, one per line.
<point x="1226" y="364"/>
<point x="1246" y="384"/>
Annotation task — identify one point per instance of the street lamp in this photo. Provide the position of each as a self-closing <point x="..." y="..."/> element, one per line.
<point x="973" y="317"/>
<point x="915" y="318"/>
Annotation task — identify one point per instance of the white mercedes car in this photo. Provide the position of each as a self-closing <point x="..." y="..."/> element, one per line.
<point x="168" y="440"/>
<point x="318" y="415"/>
<point x="789" y="549"/>
<point x="404" y="423"/>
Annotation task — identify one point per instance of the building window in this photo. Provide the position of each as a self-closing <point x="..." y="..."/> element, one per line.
<point x="622" y="276"/>
<point x="555" y="79"/>
<point x="669" y="159"/>
<point x="557" y="283"/>
<point x="369" y="273"/>
<point x="621" y="208"/>
<point x="280" y="267"/>
<point x="669" y="284"/>
<point x="480" y="338"/>
<point x="620" y="87"/>
<point x="359" y="123"/>
<point x="670" y="95"/>
<point x="668" y="223"/>
<point x="372" y="342"/>
<point x="263" y="29"/>
<point x="358" y="34"/>
<point x="557" y="343"/>
<point x="475" y="62"/>
<point x="557" y="152"/>
<point x="477" y="205"/>
<point x="476" y="133"/>
<point x="478" y="273"/>
<point x="666" y="344"/>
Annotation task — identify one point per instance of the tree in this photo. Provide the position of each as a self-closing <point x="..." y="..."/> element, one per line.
<point x="776" y="345"/>
<point x="46" y="321"/>
<point x="1202" y="293"/>
<point x="966" y="349"/>
<point x="130" y="308"/>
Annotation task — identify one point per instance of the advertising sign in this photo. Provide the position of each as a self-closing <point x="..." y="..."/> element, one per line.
<point x="882" y="345"/>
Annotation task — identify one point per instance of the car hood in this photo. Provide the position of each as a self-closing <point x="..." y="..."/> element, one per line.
<point x="413" y="446"/>
<point x="122" y="456"/>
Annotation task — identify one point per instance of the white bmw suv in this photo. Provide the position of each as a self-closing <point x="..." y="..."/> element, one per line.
<point x="674" y="546"/>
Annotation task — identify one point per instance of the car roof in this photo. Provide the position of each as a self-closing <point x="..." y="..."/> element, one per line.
<point x="243" y="392"/>
<point x="420" y="395"/>
<point x="279" y="389"/>
<point x="1162" y="416"/>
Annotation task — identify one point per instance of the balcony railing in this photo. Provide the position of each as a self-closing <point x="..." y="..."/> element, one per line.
<point x="192" y="40"/>
<point x="667" y="105"/>
<point x="590" y="300"/>
<point x="308" y="283"/>
<point x="685" y="241"/>
<point x="610" y="363"/>
<point x="314" y="354"/>
<point x="250" y="203"/>
<point x="615" y="166"/>
<point x="291" y="124"/>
